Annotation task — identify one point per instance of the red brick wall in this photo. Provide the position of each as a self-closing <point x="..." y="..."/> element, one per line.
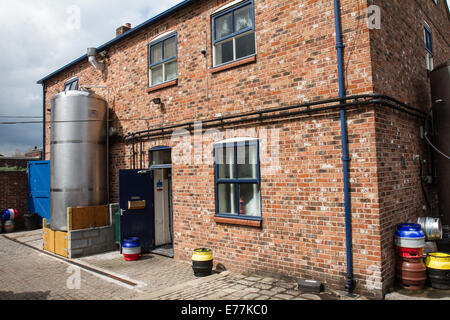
<point x="398" y="60"/>
<point x="398" y="48"/>
<point x="303" y="232"/>
<point x="13" y="194"/>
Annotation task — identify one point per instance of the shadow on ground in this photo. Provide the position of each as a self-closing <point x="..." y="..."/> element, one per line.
<point x="38" y="295"/>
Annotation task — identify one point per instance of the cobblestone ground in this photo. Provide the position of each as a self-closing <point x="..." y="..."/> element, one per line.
<point x="30" y="274"/>
<point x="151" y="271"/>
<point x="233" y="286"/>
<point x="27" y="274"/>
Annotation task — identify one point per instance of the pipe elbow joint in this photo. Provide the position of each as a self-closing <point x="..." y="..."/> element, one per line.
<point x="92" y="53"/>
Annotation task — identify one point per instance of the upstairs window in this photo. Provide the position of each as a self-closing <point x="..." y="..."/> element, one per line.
<point x="429" y="47"/>
<point x="71" y="85"/>
<point x="234" y="34"/>
<point x="237" y="177"/>
<point x="428" y="38"/>
<point x="163" y="60"/>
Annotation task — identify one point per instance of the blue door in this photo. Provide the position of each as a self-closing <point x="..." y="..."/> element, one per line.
<point x="39" y="188"/>
<point x="137" y="216"/>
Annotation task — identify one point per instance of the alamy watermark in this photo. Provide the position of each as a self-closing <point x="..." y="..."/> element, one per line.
<point x="73" y="17"/>
<point x="197" y="148"/>
<point x="74" y="280"/>
<point x="374" y="17"/>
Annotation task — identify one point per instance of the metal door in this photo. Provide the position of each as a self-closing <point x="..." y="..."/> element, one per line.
<point x="39" y="188"/>
<point x="137" y="216"/>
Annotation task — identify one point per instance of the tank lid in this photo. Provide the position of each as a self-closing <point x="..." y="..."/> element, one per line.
<point x="77" y="93"/>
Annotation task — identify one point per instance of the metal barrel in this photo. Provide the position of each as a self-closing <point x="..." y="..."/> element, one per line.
<point x="411" y="273"/>
<point x="431" y="227"/>
<point x="438" y="270"/>
<point x="202" y="262"/>
<point x="131" y="249"/>
<point x="9" y="226"/>
<point x="78" y="154"/>
<point x="409" y="235"/>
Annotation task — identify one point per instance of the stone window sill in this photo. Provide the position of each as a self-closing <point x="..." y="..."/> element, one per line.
<point x="233" y="64"/>
<point x="163" y="85"/>
<point x="241" y="222"/>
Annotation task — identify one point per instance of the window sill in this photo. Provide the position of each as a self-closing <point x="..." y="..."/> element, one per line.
<point x="233" y="64"/>
<point x="163" y="85"/>
<point x="237" y="221"/>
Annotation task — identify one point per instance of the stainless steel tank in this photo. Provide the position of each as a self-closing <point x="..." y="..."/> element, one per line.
<point x="78" y="154"/>
<point x="440" y="92"/>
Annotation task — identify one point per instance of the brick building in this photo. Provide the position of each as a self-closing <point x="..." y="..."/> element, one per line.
<point x="264" y="74"/>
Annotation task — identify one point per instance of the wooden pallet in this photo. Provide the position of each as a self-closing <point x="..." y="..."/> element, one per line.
<point x="78" y="218"/>
<point x="87" y="217"/>
<point x="56" y="242"/>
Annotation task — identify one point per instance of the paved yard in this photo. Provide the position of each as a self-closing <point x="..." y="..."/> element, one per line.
<point x="28" y="273"/>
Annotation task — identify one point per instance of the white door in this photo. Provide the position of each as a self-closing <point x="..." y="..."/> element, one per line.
<point x="162" y="214"/>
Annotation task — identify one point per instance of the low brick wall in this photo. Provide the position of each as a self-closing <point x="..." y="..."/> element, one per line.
<point x="13" y="194"/>
<point x="87" y="242"/>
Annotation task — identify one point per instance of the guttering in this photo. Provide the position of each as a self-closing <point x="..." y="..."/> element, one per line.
<point x="349" y="282"/>
<point x="123" y="36"/>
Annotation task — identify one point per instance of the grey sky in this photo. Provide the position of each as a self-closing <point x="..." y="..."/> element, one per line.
<point x="38" y="38"/>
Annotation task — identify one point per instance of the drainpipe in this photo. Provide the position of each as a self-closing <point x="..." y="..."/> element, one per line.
<point x="92" y="53"/>
<point x="43" y="121"/>
<point x="349" y="284"/>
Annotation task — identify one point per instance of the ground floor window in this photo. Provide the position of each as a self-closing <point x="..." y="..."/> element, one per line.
<point x="237" y="178"/>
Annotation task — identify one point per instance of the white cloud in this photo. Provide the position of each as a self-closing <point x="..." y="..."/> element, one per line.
<point x="38" y="39"/>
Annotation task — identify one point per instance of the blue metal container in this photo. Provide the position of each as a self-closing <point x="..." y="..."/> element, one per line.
<point x="410" y="236"/>
<point x="131" y="249"/>
<point x="409" y="230"/>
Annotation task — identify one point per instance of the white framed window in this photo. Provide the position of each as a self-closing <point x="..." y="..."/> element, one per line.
<point x="234" y="33"/>
<point x="163" y="65"/>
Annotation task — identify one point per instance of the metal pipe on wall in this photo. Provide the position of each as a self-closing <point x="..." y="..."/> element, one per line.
<point x="345" y="155"/>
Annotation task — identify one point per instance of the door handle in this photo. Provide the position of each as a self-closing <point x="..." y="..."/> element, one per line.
<point x="121" y="212"/>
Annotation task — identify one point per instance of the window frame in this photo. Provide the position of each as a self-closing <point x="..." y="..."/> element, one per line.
<point x="160" y="166"/>
<point x="68" y="84"/>
<point x="237" y="181"/>
<point x="233" y="35"/>
<point x="428" y="38"/>
<point x="164" y="61"/>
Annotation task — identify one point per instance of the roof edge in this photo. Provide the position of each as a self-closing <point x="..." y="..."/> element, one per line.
<point x="122" y="36"/>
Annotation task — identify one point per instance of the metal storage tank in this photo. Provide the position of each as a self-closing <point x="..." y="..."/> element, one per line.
<point x="78" y="165"/>
<point x="440" y="92"/>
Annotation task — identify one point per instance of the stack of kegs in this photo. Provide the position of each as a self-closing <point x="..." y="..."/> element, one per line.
<point x="8" y="217"/>
<point x="438" y="270"/>
<point x="411" y="269"/>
